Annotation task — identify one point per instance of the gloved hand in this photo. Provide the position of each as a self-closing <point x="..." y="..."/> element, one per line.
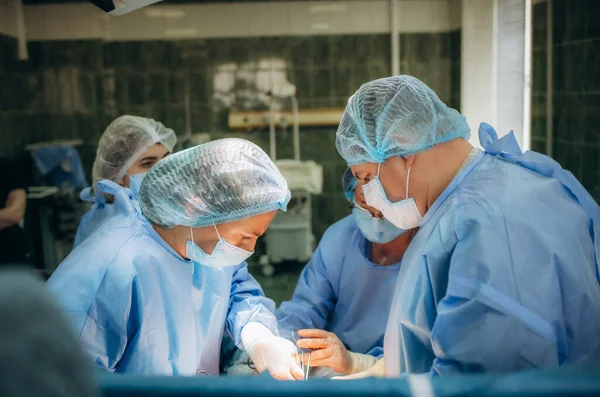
<point x="376" y="371"/>
<point x="277" y="355"/>
<point x="328" y="350"/>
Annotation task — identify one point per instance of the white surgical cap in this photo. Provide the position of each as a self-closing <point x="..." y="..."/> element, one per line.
<point x="217" y="182"/>
<point x="124" y="141"/>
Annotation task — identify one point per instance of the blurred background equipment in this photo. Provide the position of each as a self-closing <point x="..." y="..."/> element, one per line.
<point x="56" y="178"/>
<point x="290" y="237"/>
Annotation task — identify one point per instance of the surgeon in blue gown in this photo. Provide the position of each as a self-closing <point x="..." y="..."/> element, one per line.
<point x="341" y="303"/>
<point x="156" y="296"/>
<point x="503" y="273"/>
<point x="128" y="148"/>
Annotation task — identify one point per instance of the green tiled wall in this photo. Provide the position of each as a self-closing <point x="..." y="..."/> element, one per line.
<point x="73" y="89"/>
<point x="576" y="87"/>
<point x="538" y="88"/>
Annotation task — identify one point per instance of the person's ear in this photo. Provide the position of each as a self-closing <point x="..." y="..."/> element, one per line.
<point x="125" y="181"/>
<point x="409" y="160"/>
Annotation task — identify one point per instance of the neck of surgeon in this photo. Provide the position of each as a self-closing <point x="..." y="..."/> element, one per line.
<point x="442" y="163"/>
<point x="431" y="172"/>
<point x="391" y="253"/>
<point x="175" y="237"/>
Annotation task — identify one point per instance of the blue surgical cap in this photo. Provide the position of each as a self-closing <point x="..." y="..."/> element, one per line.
<point x="395" y="116"/>
<point x="217" y="182"/>
<point x="349" y="183"/>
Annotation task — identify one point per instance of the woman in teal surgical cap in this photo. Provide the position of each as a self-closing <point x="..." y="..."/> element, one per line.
<point x="128" y="148"/>
<point x="506" y="257"/>
<point x="341" y="303"/>
<point x="156" y="296"/>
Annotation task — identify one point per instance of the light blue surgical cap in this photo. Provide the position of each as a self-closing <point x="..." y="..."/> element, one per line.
<point x="395" y="116"/>
<point x="217" y="182"/>
<point x="349" y="183"/>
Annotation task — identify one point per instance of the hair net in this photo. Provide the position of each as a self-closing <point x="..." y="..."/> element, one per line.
<point x="124" y="141"/>
<point x="395" y="116"/>
<point x="217" y="182"/>
<point x="349" y="183"/>
<point x="40" y="352"/>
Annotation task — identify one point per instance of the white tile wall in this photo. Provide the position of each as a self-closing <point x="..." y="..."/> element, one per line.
<point x="492" y="66"/>
<point x="8" y="24"/>
<point x="64" y="22"/>
<point x="424" y="16"/>
<point x="455" y="14"/>
<point x="80" y="21"/>
<point x="176" y="23"/>
<point x="477" y="60"/>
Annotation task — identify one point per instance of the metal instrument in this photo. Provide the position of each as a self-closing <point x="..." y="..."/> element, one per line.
<point x="305" y="368"/>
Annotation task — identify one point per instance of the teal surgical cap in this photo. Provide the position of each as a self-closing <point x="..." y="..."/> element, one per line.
<point x="395" y="116"/>
<point x="218" y="182"/>
<point x="349" y="183"/>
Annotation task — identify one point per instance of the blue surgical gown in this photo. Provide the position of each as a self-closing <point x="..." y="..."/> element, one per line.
<point x="341" y="291"/>
<point x="102" y="211"/>
<point x="503" y="273"/>
<point x="139" y="307"/>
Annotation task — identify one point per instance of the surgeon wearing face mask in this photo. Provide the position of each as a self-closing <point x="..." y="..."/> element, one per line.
<point x="128" y="148"/>
<point x="341" y="303"/>
<point x="506" y="256"/>
<point x="155" y="297"/>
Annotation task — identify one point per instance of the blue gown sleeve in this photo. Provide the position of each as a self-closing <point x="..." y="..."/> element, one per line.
<point x="313" y="299"/>
<point x="483" y="323"/>
<point x="247" y="304"/>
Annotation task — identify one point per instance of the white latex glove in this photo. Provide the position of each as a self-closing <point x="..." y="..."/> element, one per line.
<point x="272" y="353"/>
<point x="376" y="371"/>
<point x="329" y="351"/>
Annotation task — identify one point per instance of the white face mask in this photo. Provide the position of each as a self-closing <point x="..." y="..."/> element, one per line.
<point x="224" y="254"/>
<point x="403" y="214"/>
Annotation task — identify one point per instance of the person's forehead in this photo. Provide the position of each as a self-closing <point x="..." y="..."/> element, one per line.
<point x="255" y="225"/>
<point x="156" y="149"/>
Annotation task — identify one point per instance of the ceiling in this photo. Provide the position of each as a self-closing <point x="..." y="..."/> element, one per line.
<point x="35" y="2"/>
